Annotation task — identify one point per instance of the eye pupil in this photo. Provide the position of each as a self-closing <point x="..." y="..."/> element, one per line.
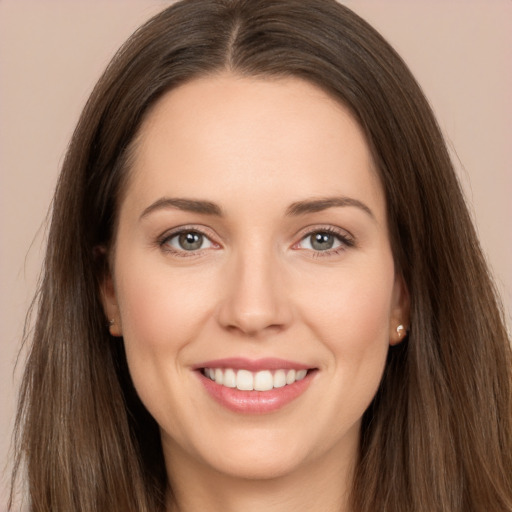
<point x="191" y="241"/>
<point x="322" y="241"/>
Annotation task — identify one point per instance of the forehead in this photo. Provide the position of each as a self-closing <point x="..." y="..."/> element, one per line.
<point x="258" y="138"/>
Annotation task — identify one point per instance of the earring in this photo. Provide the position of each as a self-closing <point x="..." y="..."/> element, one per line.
<point x="114" y="327"/>
<point x="401" y="331"/>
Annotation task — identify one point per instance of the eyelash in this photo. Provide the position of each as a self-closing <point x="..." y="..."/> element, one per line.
<point x="346" y="241"/>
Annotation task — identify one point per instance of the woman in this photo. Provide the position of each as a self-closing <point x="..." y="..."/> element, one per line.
<point x="262" y="287"/>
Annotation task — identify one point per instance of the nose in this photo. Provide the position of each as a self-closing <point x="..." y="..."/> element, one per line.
<point x="254" y="300"/>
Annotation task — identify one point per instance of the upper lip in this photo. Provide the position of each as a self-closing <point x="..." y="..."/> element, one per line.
<point x="254" y="365"/>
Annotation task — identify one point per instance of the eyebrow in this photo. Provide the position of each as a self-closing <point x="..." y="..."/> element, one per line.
<point x="295" y="209"/>
<point x="318" y="205"/>
<point x="187" y="205"/>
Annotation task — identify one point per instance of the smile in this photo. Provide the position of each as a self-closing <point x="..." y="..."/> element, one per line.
<point x="254" y="387"/>
<point x="245" y="380"/>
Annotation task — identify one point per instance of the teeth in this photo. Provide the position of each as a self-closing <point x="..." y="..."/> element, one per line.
<point x="300" y="374"/>
<point x="263" y="381"/>
<point x="229" y="379"/>
<point x="219" y="376"/>
<point x="279" y="379"/>
<point x="245" y="380"/>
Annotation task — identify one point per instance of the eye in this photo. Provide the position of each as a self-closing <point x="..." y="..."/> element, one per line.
<point x="188" y="241"/>
<point x="320" y="241"/>
<point x="324" y="241"/>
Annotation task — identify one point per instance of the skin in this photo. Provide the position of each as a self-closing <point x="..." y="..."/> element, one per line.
<point x="256" y="288"/>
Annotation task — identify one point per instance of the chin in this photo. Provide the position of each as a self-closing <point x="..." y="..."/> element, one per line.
<point x="248" y="467"/>
<point x="254" y="454"/>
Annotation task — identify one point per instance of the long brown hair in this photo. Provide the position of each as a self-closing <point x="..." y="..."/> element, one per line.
<point x="438" y="435"/>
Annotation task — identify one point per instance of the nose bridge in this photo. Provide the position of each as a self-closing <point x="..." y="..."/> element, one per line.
<point x="254" y="299"/>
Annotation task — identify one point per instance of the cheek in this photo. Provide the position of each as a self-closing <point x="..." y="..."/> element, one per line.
<point x="160" y="308"/>
<point x="349" y="313"/>
<point x="352" y="304"/>
<point x="161" y="311"/>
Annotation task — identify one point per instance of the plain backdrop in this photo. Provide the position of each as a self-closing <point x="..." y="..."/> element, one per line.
<point x="52" y="52"/>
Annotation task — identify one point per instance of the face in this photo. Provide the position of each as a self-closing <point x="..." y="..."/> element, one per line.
<point x="252" y="251"/>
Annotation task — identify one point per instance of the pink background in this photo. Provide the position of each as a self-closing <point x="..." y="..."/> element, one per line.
<point x="52" y="52"/>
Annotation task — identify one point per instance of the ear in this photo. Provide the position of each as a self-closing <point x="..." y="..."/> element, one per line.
<point x="108" y="296"/>
<point x="399" y="320"/>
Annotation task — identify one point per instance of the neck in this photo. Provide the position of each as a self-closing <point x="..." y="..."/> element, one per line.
<point x="322" y="484"/>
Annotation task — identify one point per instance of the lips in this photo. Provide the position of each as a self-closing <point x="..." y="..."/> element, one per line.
<point x="254" y="386"/>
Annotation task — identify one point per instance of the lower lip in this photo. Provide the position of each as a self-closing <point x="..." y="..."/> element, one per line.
<point x="256" y="402"/>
